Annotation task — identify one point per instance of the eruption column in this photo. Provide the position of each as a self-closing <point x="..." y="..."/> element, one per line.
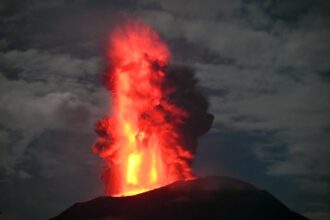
<point x="141" y="142"/>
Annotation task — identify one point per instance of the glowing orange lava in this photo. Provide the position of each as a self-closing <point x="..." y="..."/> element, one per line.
<point x="140" y="142"/>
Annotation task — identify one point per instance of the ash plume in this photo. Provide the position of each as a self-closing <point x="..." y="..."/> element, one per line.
<point x="189" y="96"/>
<point x="150" y="138"/>
<point x="185" y="93"/>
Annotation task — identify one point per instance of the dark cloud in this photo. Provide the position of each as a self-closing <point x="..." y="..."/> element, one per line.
<point x="186" y="52"/>
<point x="200" y="120"/>
<point x="318" y="215"/>
<point x="280" y="52"/>
<point x="61" y="168"/>
<point x="42" y="91"/>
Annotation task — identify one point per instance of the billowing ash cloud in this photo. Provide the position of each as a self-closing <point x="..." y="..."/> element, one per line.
<point x="188" y="96"/>
<point x="185" y="93"/>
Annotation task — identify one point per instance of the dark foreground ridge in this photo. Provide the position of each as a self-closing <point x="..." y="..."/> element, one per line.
<point x="220" y="198"/>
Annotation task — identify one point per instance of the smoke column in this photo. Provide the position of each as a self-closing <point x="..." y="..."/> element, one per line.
<point x="150" y="138"/>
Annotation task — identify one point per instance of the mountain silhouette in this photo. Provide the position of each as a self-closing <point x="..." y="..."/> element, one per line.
<point x="211" y="198"/>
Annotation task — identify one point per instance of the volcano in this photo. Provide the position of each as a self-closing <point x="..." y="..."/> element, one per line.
<point x="204" y="198"/>
<point x="149" y="139"/>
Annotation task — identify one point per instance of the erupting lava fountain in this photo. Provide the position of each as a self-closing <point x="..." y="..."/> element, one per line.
<point x="142" y="141"/>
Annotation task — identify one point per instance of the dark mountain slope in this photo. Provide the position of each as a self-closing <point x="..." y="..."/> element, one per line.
<point x="220" y="198"/>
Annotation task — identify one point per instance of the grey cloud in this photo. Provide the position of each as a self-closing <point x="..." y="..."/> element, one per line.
<point x="264" y="64"/>
<point x="77" y="27"/>
<point x="317" y="215"/>
<point x="3" y="43"/>
<point x="63" y="171"/>
<point x="316" y="186"/>
<point x="32" y="65"/>
<point x="276" y="45"/>
<point x="278" y="105"/>
<point x="229" y="38"/>
<point x="210" y="9"/>
<point x="54" y="92"/>
<point x="279" y="49"/>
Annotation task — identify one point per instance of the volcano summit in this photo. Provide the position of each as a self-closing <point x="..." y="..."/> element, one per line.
<point x="205" y="198"/>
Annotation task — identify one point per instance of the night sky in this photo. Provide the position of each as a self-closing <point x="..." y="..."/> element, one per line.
<point x="265" y="66"/>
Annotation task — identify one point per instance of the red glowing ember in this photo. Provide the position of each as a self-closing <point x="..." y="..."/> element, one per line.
<point x="141" y="142"/>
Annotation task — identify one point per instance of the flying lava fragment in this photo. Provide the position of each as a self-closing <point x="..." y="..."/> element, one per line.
<point x="142" y="142"/>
